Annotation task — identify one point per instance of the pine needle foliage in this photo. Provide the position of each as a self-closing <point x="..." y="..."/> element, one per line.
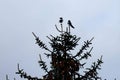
<point x="64" y="64"/>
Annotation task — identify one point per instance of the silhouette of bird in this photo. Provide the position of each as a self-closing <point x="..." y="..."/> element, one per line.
<point x="61" y="20"/>
<point x="70" y="24"/>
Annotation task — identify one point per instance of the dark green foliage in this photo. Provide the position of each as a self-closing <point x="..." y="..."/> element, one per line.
<point x="64" y="64"/>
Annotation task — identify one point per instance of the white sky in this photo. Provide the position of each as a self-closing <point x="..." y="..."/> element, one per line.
<point x="19" y="18"/>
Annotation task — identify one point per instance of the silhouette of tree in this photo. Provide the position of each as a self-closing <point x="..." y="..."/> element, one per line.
<point x="64" y="64"/>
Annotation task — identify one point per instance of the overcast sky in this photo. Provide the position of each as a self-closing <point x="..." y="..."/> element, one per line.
<point x="91" y="18"/>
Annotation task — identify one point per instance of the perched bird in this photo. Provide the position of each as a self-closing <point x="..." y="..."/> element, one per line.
<point x="70" y="24"/>
<point x="61" y="20"/>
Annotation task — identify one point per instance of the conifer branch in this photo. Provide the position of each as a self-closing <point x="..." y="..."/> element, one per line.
<point x="58" y="29"/>
<point x="25" y="75"/>
<point x="86" y="55"/>
<point x="42" y="64"/>
<point x="40" y="43"/>
<point x="84" y="47"/>
<point x="65" y="66"/>
<point x="91" y="73"/>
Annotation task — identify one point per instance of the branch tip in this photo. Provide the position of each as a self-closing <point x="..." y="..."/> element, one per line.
<point x="34" y="35"/>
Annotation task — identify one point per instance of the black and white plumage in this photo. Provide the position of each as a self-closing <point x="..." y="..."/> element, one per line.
<point x="70" y="24"/>
<point x="61" y="20"/>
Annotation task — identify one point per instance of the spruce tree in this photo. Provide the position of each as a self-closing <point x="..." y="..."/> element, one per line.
<point x="65" y="65"/>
